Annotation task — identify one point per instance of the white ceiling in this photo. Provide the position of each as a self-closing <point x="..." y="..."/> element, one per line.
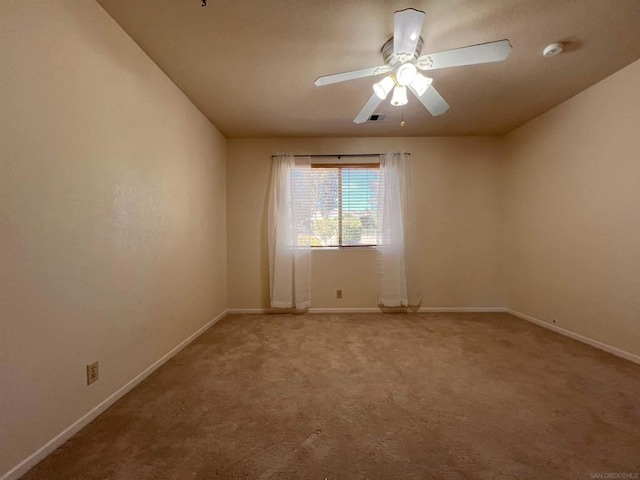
<point x="249" y="66"/>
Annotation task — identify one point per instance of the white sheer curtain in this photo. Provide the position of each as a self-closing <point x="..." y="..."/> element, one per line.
<point x="398" y="271"/>
<point x="289" y="257"/>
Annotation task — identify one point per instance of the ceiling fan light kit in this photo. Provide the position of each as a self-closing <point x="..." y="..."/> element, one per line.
<point x="401" y="56"/>
<point x="383" y="87"/>
<point x="399" y="96"/>
<point x="420" y="84"/>
<point x="405" y="74"/>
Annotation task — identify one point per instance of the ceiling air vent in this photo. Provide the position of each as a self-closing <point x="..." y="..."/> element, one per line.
<point x="377" y="117"/>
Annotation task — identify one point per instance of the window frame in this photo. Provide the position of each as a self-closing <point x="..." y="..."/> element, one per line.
<point x="340" y="167"/>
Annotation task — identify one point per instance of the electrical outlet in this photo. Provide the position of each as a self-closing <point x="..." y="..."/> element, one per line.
<point x="92" y="373"/>
<point x="338" y="293"/>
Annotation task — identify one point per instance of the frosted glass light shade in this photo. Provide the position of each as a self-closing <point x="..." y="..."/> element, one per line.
<point x="383" y="87"/>
<point x="406" y="73"/>
<point x="420" y="84"/>
<point x="399" y="96"/>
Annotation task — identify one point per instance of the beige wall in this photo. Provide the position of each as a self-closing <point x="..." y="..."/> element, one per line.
<point x="572" y="213"/>
<point x="112" y="211"/>
<point x="457" y="194"/>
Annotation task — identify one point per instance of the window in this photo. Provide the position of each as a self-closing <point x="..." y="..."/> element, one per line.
<point x="338" y="205"/>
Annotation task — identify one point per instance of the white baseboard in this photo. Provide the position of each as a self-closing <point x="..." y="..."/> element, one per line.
<point x="344" y="310"/>
<point x="375" y="310"/>
<point x="462" y="310"/>
<point x="576" y="336"/>
<point x="252" y="311"/>
<point x="33" y="459"/>
<point x="256" y="311"/>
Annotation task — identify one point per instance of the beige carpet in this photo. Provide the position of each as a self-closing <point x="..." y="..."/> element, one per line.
<point x="368" y="396"/>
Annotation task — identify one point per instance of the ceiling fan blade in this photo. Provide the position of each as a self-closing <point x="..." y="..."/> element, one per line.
<point x="432" y="101"/>
<point x="368" y="109"/>
<point x="407" y="25"/>
<point x="352" y="75"/>
<point x="472" y="55"/>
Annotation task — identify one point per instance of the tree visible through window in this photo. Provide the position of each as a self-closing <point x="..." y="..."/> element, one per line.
<point x="338" y="203"/>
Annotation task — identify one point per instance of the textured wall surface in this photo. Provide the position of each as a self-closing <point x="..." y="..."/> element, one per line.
<point x="112" y="211"/>
<point x="572" y="213"/>
<point x="457" y="184"/>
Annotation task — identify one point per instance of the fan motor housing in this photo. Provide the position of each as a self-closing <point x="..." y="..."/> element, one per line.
<point x="393" y="59"/>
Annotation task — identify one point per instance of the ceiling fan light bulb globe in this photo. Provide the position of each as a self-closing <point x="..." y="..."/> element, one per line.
<point x="399" y="96"/>
<point x="383" y="87"/>
<point x="420" y="84"/>
<point x="406" y="74"/>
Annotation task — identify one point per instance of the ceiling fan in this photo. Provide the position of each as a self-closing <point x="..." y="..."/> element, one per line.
<point x="402" y="60"/>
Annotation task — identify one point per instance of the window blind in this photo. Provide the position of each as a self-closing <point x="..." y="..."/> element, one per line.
<point x="337" y="205"/>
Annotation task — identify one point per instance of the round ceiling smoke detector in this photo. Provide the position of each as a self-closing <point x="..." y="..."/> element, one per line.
<point x="552" y="50"/>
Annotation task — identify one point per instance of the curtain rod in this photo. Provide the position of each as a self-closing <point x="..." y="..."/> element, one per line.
<point x="338" y="155"/>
